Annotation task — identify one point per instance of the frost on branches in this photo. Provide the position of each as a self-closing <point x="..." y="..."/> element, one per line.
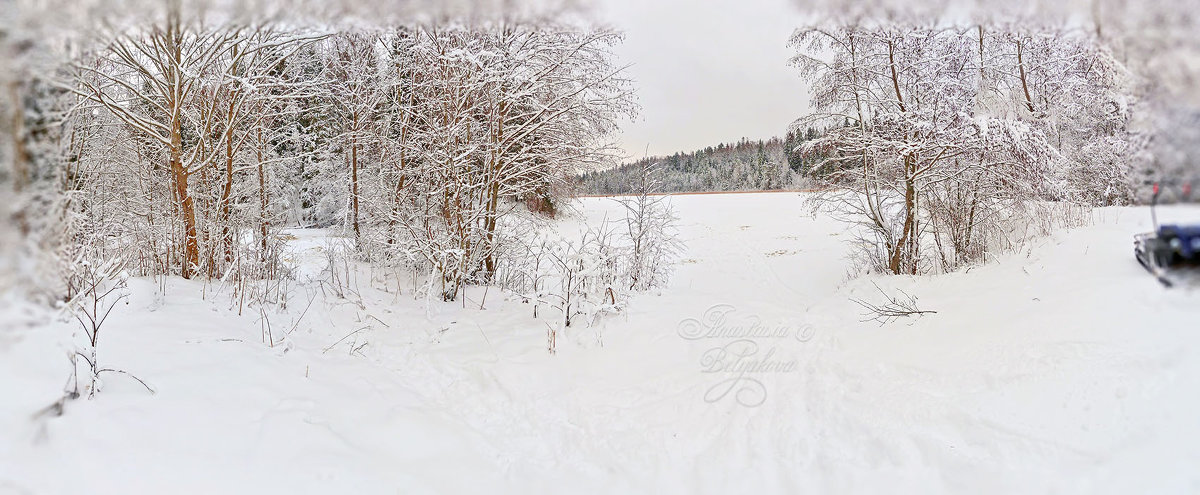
<point x="944" y="140"/>
<point x="183" y="142"/>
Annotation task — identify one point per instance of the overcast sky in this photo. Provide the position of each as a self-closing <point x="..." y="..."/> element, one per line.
<point x="707" y="71"/>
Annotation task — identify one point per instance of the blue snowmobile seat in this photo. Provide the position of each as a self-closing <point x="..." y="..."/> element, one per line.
<point x="1187" y="235"/>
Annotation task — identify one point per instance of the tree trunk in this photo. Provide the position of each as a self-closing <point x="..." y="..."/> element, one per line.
<point x="262" y="198"/>
<point x="191" y="247"/>
<point x="354" y="182"/>
<point x="489" y="262"/>
<point x="1024" y="84"/>
<point x="895" y="77"/>
<point x="20" y="158"/>
<point x="187" y="209"/>
<point x="981" y="74"/>
<point x="493" y="199"/>
<point x="398" y="196"/>
<point x="227" y="232"/>
<point x="902" y="251"/>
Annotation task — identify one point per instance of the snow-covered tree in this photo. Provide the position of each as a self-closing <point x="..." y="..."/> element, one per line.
<point x="184" y="137"/>
<point x="923" y="155"/>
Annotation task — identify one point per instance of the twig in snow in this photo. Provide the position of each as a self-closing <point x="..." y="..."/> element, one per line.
<point x="339" y="341"/>
<point x="893" y="308"/>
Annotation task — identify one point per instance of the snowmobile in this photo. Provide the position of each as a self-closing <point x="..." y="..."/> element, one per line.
<point x="1170" y="248"/>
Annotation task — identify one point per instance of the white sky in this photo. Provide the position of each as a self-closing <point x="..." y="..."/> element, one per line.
<point x="707" y="71"/>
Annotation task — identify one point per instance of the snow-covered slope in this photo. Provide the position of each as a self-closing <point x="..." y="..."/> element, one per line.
<point x="1061" y="368"/>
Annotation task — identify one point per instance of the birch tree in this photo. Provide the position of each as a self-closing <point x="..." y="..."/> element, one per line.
<point x="908" y="139"/>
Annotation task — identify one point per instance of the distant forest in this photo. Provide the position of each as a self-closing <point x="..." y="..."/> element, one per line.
<point x="746" y="165"/>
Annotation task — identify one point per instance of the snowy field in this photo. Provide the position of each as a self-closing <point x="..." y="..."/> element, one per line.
<point x="1063" y="368"/>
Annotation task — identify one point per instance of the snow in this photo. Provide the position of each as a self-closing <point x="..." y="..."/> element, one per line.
<point x="1063" y="367"/>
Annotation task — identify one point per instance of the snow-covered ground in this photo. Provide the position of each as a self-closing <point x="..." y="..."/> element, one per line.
<point x="1060" y="368"/>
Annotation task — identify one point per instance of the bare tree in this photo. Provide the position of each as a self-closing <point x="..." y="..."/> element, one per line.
<point x="98" y="289"/>
<point x="920" y="141"/>
<point x="503" y="115"/>
<point x="650" y="226"/>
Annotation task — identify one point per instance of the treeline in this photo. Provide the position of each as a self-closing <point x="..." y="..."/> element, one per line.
<point x="747" y="165"/>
